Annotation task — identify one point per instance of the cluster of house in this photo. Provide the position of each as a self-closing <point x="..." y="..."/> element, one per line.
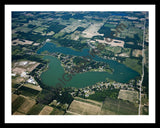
<point x="89" y="90"/>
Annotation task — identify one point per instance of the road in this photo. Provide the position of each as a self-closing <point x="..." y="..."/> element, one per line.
<point x="140" y="89"/>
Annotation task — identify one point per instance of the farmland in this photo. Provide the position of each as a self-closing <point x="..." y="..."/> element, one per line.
<point x="24" y="42"/>
<point x="17" y="103"/>
<point x="107" y="83"/>
<point x="23" y="66"/>
<point x="57" y="111"/>
<point x="35" y="110"/>
<point x="46" y="110"/>
<point x="28" y="91"/>
<point x="118" y="107"/>
<point x="84" y="107"/>
<point x="109" y="106"/>
<point x="134" y="64"/>
<point x="26" y="106"/>
<point x="131" y="96"/>
<point x="92" y="30"/>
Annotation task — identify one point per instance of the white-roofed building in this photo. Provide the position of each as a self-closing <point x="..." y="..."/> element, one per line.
<point x="31" y="80"/>
<point x="24" y="74"/>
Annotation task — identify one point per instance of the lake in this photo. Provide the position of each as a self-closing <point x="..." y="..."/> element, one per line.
<point x="55" y="71"/>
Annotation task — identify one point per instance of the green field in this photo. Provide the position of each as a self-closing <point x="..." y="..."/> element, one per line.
<point x="133" y="64"/>
<point x="101" y="95"/>
<point x="40" y="29"/>
<point x="110" y="25"/>
<point x="114" y="49"/>
<point x="58" y="35"/>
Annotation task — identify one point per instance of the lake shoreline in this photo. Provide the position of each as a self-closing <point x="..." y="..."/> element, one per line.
<point x="121" y="73"/>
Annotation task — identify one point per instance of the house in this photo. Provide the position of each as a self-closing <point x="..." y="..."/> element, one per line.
<point x="86" y="95"/>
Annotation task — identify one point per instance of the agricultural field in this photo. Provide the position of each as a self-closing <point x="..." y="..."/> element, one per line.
<point x="116" y="50"/>
<point x="92" y="30"/>
<point x="116" y="42"/>
<point x="131" y="96"/>
<point x="57" y="111"/>
<point x="26" y="106"/>
<point x="118" y="107"/>
<point x="17" y="103"/>
<point x="137" y="53"/>
<point x="24" y="28"/>
<point x="133" y="64"/>
<point x="35" y="110"/>
<point x="28" y="92"/>
<point x="40" y="29"/>
<point x="109" y="25"/>
<point x="74" y="24"/>
<point x="89" y="101"/>
<point x="22" y="105"/>
<point x="58" y="35"/>
<point x="70" y="28"/>
<point x="84" y="107"/>
<point x="46" y="110"/>
<point x="14" y="97"/>
<point x="20" y="67"/>
<point x="38" y="88"/>
<point x="18" y="113"/>
<point x="24" y="42"/>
